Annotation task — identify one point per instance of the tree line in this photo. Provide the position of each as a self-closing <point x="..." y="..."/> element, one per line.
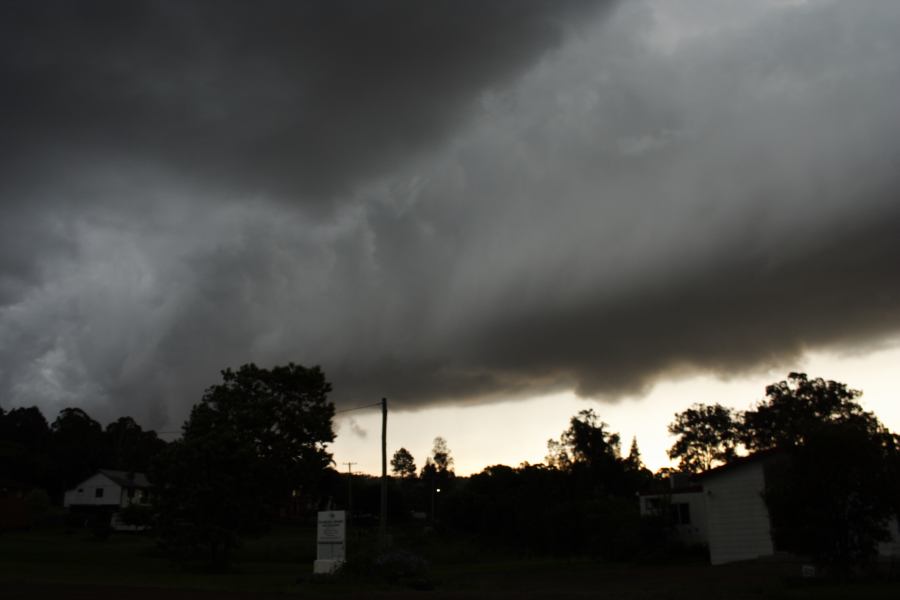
<point x="56" y="456"/>
<point x="254" y="450"/>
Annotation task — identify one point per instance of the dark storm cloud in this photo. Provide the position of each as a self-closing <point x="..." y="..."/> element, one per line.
<point x="722" y="205"/>
<point x="285" y="98"/>
<point x="434" y="205"/>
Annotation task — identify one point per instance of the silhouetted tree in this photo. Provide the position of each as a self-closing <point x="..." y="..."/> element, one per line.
<point x="25" y="427"/>
<point x="591" y="453"/>
<point x="129" y="447"/>
<point x="78" y="450"/>
<point x="798" y="406"/>
<point x="440" y="456"/>
<point x="247" y="445"/>
<point x="536" y="508"/>
<point x="403" y="464"/>
<point x="831" y="496"/>
<point x="637" y="476"/>
<point x="25" y="449"/>
<point x="586" y="442"/>
<point x="633" y="460"/>
<point x="707" y="435"/>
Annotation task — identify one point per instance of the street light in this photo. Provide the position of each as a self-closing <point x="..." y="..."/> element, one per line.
<point x="434" y="490"/>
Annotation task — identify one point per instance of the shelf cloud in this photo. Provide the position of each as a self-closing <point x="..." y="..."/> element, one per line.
<point x="439" y="202"/>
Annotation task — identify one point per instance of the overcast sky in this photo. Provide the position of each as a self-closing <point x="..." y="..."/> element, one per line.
<point x="446" y="203"/>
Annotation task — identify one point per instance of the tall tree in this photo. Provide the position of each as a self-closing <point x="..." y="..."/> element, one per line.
<point x="707" y="436"/>
<point x="129" y="447"/>
<point x="633" y="461"/>
<point x="437" y="473"/>
<point x="587" y="441"/>
<point x="78" y="448"/>
<point x="832" y="496"/>
<point x="251" y="442"/>
<point x="797" y="406"/>
<point x="403" y="464"/>
<point x="25" y="449"/>
<point x="440" y="455"/>
<point x="590" y="453"/>
<point x="25" y="426"/>
<point x="834" y="483"/>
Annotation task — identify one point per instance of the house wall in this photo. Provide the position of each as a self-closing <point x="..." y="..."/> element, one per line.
<point x="738" y="519"/>
<point x="695" y="532"/>
<point x="85" y="493"/>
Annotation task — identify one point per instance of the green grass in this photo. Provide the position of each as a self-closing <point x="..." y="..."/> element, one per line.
<point x="273" y="564"/>
<point x="269" y="564"/>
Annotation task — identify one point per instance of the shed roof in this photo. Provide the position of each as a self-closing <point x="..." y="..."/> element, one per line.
<point x="688" y="489"/>
<point x="740" y="462"/>
<point x="127" y="479"/>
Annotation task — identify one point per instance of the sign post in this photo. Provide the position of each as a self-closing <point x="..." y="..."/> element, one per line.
<point x="331" y="541"/>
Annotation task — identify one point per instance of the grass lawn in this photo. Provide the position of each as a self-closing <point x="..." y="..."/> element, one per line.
<point x="53" y="564"/>
<point x="270" y="564"/>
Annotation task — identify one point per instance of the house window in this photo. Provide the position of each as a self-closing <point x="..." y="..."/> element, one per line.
<point x="98" y="493"/>
<point x="680" y="513"/>
<point x="131" y="493"/>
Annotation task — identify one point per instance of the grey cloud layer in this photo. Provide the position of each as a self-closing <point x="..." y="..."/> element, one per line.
<point x="282" y="98"/>
<point x="669" y="189"/>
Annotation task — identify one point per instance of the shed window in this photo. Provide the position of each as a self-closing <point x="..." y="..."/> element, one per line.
<point x="681" y="513"/>
<point x="98" y="493"/>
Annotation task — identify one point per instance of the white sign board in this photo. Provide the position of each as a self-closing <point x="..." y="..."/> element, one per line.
<point x="330" y="541"/>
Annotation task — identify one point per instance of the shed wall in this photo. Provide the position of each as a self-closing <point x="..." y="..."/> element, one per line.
<point x="739" y="526"/>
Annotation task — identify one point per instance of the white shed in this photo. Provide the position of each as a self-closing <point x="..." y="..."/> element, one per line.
<point x="738" y="520"/>
<point x="738" y="524"/>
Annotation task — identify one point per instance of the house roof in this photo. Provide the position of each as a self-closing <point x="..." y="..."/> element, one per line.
<point x="739" y="463"/>
<point x="688" y="489"/>
<point x="127" y="479"/>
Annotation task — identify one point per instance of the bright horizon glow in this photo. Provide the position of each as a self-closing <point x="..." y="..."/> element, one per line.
<point x="516" y="431"/>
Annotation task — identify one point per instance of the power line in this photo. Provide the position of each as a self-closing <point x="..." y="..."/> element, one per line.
<point x="358" y="407"/>
<point x="373" y="405"/>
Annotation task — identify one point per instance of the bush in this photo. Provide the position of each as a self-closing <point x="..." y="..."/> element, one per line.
<point x="38" y="506"/>
<point x="396" y="565"/>
<point x="136" y="515"/>
<point x="393" y="566"/>
<point x="100" y="526"/>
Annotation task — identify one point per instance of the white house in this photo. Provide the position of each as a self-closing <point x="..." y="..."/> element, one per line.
<point x="684" y="508"/>
<point x="109" y="488"/>
<point x="109" y="491"/>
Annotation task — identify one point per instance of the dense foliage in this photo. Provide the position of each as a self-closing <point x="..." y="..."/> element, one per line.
<point x="797" y="407"/>
<point x="832" y="496"/>
<point x="53" y="458"/>
<point x="252" y="443"/>
<point x="403" y="464"/>
<point x="832" y="486"/>
<point x="707" y="435"/>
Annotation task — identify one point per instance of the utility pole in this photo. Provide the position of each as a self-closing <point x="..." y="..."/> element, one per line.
<point x="349" y="490"/>
<point x="382" y="528"/>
